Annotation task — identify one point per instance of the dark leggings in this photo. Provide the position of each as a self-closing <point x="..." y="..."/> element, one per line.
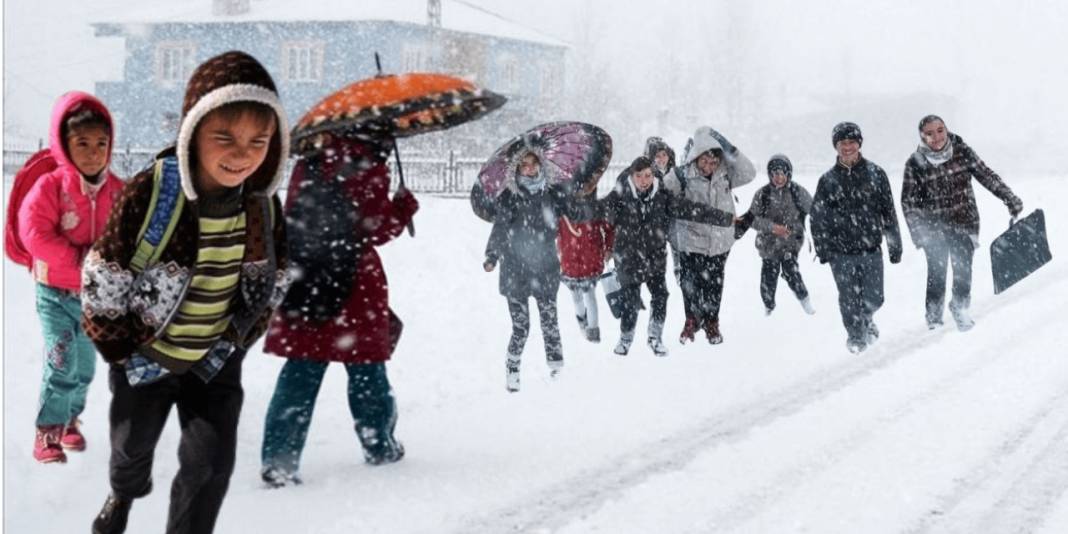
<point x="769" y="280"/>
<point x="632" y="299"/>
<point x="519" y="309"/>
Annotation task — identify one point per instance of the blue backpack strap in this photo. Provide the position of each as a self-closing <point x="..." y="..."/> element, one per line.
<point x="162" y="215"/>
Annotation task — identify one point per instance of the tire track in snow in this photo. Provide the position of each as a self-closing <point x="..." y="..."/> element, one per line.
<point x="580" y="495"/>
<point x="944" y="516"/>
<point x="748" y="506"/>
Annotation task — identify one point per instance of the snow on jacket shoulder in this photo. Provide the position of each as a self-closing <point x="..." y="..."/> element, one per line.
<point x="63" y="214"/>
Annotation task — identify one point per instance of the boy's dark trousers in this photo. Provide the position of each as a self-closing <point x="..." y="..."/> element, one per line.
<point x="769" y="279"/>
<point x="632" y="299"/>
<point x="702" y="284"/>
<point x="860" y="290"/>
<point x="208" y="415"/>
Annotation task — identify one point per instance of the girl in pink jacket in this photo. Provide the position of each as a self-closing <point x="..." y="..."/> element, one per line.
<point x="60" y="217"/>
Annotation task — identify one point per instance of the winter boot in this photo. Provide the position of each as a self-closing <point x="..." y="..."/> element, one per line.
<point x="656" y="332"/>
<point x="73" y="440"/>
<point x="276" y="477"/>
<point x="581" y="321"/>
<point x="767" y="311"/>
<point x="512" y="374"/>
<point x="961" y="316"/>
<point x="46" y="445"/>
<point x="593" y="334"/>
<point x="689" y="330"/>
<point x="872" y="333"/>
<point x="712" y="332"/>
<point x="856" y="346"/>
<point x="806" y="304"/>
<point x="623" y="347"/>
<point x="113" y="516"/>
<point x="379" y="446"/>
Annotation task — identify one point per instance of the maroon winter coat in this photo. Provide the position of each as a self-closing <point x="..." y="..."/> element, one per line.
<point x="584" y="247"/>
<point x="366" y="330"/>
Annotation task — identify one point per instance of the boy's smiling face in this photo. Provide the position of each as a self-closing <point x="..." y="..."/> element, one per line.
<point x="229" y="151"/>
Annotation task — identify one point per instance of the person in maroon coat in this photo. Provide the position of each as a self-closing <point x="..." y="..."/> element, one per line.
<point x="357" y="327"/>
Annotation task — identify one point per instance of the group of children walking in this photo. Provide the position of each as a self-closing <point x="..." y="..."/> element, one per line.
<point x="172" y="276"/>
<point x="690" y="209"/>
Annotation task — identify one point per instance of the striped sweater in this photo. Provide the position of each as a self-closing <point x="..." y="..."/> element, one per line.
<point x="204" y="314"/>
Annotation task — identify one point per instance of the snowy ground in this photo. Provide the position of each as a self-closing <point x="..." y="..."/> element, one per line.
<point x="777" y="430"/>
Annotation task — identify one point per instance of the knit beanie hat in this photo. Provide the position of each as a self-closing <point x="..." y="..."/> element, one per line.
<point x="846" y="130"/>
<point x="224" y="79"/>
<point x="780" y="162"/>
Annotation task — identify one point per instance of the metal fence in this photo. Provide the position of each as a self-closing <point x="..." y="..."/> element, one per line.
<point x="446" y="174"/>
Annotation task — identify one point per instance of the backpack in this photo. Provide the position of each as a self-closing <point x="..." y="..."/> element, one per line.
<point x="39" y="164"/>
<point x="321" y="223"/>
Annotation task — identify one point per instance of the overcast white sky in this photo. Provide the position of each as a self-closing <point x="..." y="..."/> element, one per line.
<point x="1003" y="61"/>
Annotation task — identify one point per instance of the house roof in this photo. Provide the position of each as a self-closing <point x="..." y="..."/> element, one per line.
<point x="457" y="15"/>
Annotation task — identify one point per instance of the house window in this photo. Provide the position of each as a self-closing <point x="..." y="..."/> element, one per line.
<point x="415" y="59"/>
<point x="550" y="80"/>
<point x="508" y="74"/>
<point x="302" y="61"/>
<point x="174" y="62"/>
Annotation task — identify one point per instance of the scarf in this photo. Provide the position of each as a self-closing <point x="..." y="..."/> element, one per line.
<point x="936" y="157"/>
<point x="532" y="184"/>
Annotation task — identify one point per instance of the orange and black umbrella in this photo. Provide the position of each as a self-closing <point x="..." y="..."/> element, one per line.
<point x="395" y="106"/>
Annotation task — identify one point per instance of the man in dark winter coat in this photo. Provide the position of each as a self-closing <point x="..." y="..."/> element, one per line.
<point x="523" y="240"/>
<point x="642" y="213"/>
<point x="939" y="206"/>
<point x="852" y="211"/>
<point x="778" y="213"/>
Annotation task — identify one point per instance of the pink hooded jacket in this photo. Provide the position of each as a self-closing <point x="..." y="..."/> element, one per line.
<point x="63" y="213"/>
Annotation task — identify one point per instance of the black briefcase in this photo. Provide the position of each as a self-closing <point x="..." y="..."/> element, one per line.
<point x="1019" y="251"/>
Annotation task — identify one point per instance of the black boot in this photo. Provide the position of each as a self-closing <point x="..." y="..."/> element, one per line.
<point x="113" y="516"/>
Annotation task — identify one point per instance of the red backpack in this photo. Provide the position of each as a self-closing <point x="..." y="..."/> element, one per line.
<point x="39" y="164"/>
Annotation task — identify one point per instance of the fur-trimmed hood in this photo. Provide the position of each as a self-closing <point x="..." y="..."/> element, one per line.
<point x="232" y="77"/>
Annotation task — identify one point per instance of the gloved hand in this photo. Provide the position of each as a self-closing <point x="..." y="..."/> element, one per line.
<point x="489" y="265"/>
<point x="1015" y="207"/>
<point x="405" y="203"/>
<point x="728" y="148"/>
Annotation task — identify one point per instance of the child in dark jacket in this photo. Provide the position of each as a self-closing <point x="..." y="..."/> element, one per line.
<point x="778" y="215"/>
<point x="642" y="214"/>
<point x="174" y="307"/>
<point x="523" y="240"/>
<point x="60" y="217"/>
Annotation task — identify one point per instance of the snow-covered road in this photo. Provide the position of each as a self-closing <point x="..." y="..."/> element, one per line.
<point x="777" y="430"/>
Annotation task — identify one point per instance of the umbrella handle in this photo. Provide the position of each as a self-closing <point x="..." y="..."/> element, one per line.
<point x="400" y="185"/>
<point x="1012" y="221"/>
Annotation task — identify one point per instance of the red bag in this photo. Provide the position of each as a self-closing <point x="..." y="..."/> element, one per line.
<point x="40" y="163"/>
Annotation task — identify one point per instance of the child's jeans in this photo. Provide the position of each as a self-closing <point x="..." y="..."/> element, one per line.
<point x="70" y="359"/>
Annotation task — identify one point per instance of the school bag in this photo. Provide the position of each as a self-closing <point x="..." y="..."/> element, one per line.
<point x="321" y="225"/>
<point x="39" y="164"/>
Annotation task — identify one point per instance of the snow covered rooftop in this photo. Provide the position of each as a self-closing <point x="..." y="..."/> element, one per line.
<point x="457" y="15"/>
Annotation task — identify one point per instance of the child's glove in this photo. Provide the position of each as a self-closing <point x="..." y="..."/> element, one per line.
<point x="404" y="202"/>
<point x="1015" y="207"/>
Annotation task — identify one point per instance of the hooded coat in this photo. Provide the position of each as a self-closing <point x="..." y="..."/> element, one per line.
<point x="124" y="311"/>
<point x="366" y="330"/>
<point x="63" y="214"/>
<point x="643" y="221"/>
<point x="716" y="191"/>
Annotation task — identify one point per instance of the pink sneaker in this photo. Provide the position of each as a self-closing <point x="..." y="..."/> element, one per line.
<point x="46" y="447"/>
<point x="73" y="440"/>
